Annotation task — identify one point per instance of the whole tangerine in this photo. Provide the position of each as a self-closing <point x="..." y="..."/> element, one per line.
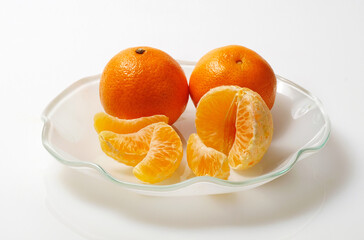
<point x="143" y="81"/>
<point x="233" y="65"/>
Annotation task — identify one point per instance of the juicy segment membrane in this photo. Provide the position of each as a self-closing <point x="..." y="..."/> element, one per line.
<point x="254" y="130"/>
<point x="237" y="122"/>
<point x="155" y="151"/>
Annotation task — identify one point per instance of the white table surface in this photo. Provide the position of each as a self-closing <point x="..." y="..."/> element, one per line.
<point x="46" y="45"/>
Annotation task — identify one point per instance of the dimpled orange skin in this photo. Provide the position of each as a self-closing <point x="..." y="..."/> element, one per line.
<point x="143" y="84"/>
<point x="233" y="65"/>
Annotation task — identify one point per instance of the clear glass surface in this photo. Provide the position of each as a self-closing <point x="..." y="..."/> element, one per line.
<point x="301" y="128"/>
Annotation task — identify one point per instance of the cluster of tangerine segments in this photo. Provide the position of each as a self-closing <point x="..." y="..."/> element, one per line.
<point x="234" y="128"/>
<point x="148" y="144"/>
<point x="234" y="124"/>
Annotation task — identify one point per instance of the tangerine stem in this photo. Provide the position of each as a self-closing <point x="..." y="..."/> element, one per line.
<point x="140" y="50"/>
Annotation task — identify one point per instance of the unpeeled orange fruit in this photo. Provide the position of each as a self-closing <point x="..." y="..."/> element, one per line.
<point x="143" y="81"/>
<point x="105" y="122"/>
<point x="237" y="122"/>
<point x="155" y="151"/>
<point x="233" y="65"/>
<point x="206" y="161"/>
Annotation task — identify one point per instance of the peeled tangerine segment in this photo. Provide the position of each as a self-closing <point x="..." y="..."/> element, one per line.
<point x="212" y="117"/>
<point x="254" y="130"/>
<point x="130" y="148"/>
<point x="206" y="161"/>
<point x="155" y="151"/>
<point x="237" y="122"/>
<point x="106" y="122"/>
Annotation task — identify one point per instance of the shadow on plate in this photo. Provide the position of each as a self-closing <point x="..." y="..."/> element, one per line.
<point x="305" y="189"/>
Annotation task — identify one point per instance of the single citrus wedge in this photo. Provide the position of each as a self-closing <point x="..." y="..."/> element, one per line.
<point x="206" y="161"/>
<point x="164" y="155"/>
<point x="212" y="120"/>
<point x="254" y="130"/>
<point x="129" y="148"/>
<point x="242" y="130"/>
<point x="106" y="122"/>
<point x="155" y="151"/>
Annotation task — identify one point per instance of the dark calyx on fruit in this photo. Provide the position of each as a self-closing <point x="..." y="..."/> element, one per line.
<point x="140" y="50"/>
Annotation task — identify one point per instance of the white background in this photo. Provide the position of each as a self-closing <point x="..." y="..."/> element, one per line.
<point x="47" y="45"/>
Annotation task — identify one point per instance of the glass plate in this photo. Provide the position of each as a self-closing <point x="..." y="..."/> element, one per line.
<point x="301" y="128"/>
